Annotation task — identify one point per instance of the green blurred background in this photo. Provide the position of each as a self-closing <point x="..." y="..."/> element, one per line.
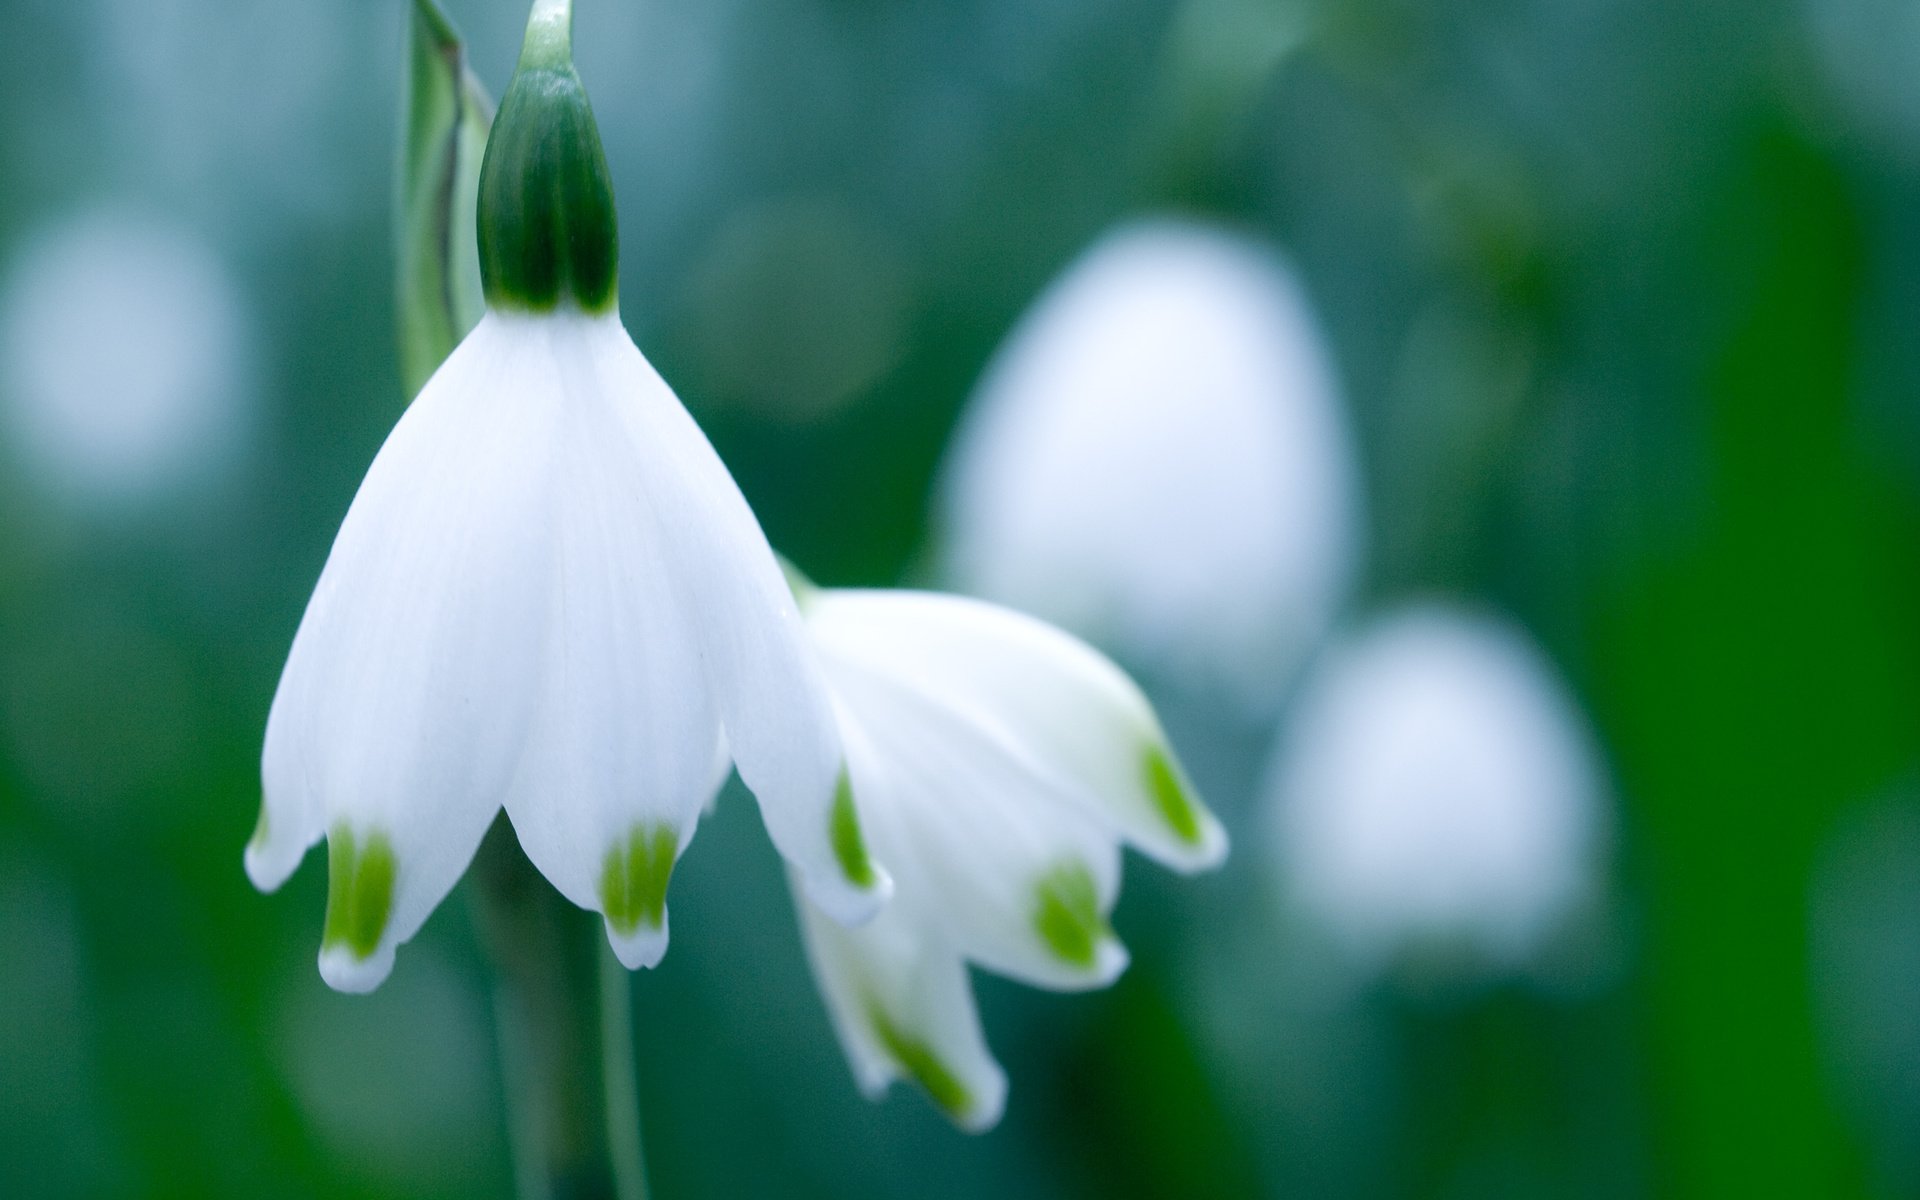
<point x="1623" y="295"/>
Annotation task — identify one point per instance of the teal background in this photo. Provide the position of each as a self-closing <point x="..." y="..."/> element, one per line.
<point x="1623" y="294"/>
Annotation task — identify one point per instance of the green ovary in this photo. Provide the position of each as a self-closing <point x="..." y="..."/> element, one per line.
<point x="633" y="879"/>
<point x="360" y="875"/>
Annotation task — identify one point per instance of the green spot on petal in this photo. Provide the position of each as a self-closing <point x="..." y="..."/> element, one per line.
<point x="1067" y="914"/>
<point x="259" y="837"/>
<point x="1170" y="799"/>
<point x="359" y="890"/>
<point x="922" y="1065"/>
<point x="843" y="830"/>
<point x="633" y="880"/>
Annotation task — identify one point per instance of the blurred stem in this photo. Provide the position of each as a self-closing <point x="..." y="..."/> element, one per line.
<point x="617" y="1065"/>
<point x="564" y="1019"/>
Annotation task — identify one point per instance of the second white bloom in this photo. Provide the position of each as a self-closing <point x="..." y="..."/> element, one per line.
<point x="999" y="765"/>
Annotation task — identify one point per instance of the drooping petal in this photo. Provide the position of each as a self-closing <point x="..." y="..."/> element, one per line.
<point x="762" y="670"/>
<point x="1053" y="702"/>
<point x="1018" y="875"/>
<point x="400" y="716"/>
<point x="900" y="1000"/>
<point x="291" y="819"/>
<point x="626" y="749"/>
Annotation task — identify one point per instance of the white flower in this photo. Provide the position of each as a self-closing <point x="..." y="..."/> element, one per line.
<point x="1157" y="459"/>
<point x="998" y="764"/>
<point x="548" y="595"/>
<point x="122" y="361"/>
<point x="1436" y="783"/>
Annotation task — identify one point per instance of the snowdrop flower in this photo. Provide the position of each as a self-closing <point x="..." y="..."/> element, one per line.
<point x="1437" y="785"/>
<point x="548" y="594"/>
<point x="123" y="356"/>
<point x="1157" y="459"/>
<point x="1000" y="764"/>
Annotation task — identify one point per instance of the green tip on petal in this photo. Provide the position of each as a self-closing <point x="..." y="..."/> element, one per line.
<point x="849" y="846"/>
<point x="261" y="829"/>
<point x="1067" y="915"/>
<point x="1167" y="787"/>
<point x="546" y="219"/>
<point x="633" y="880"/>
<point x="359" y="890"/>
<point x="920" y="1063"/>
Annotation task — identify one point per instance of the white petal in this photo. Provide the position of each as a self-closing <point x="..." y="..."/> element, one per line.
<point x="900" y="1000"/>
<point x="290" y="817"/>
<point x="404" y="704"/>
<point x="1017" y="874"/>
<point x="773" y="704"/>
<point x="1056" y="704"/>
<point x="624" y="751"/>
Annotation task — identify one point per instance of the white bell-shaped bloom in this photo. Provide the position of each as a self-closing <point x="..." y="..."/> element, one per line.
<point x="1437" y="785"/>
<point x="548" y="595"/>
<point x="999" y="764"/>
<point x="1157" y="459"/>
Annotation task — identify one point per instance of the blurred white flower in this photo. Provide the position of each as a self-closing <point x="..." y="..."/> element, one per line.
<point x="998" y="765"/>
<point x="1157" y="459"/>
<point x="123" y="352"/>
<point x="1437" y="785"/>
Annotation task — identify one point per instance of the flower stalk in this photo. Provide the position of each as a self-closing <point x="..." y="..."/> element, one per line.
<point x="563" y="1012"/>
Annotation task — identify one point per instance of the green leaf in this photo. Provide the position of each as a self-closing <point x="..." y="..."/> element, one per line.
<point x="445" y="114"/>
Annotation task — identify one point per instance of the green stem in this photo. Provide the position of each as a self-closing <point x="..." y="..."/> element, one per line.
<point x="563" y="1012"/>
<point x="622" y="1089"/>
